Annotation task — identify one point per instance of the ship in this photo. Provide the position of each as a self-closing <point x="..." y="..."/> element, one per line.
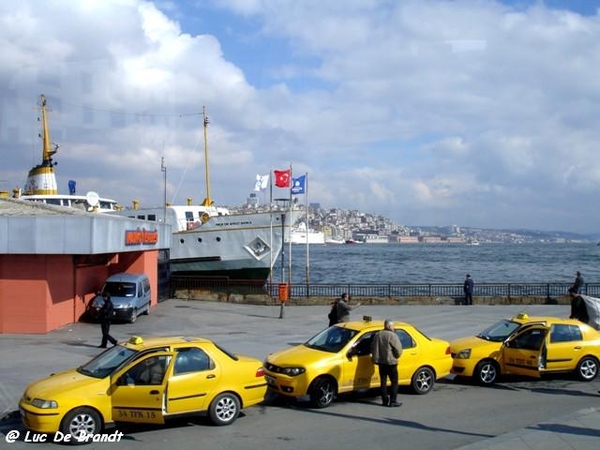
<point x="299" y="234"/>
<point x="215" y="243"/>
<point x="41" y="183"/>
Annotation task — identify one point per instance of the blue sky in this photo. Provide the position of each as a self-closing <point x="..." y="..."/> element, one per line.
<point x="470" y="112"/>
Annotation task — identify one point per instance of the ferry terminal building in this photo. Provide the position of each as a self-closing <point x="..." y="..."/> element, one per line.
<point x="53" y="260"/>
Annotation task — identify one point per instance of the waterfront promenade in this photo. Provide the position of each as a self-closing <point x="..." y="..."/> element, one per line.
<point x="453" y="416"/>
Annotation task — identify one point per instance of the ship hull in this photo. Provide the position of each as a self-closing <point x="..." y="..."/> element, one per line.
<point x="235" y="246"/>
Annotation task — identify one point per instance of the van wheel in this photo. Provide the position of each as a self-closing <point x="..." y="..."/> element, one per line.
<point x="133" y="317"/>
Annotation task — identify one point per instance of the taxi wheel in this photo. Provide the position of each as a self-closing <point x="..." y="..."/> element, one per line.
<point x="322" y="392"/>
<point x="587" y="369"/>
<point x="133" y="316"/>
<point x="81" y="422"/>
<point x="423" y="380"/>
<point x="486" y="372"/>
<point x="224" y="409"/>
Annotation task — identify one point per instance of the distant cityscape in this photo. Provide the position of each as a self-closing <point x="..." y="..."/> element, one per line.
<point x="344" y="225"/>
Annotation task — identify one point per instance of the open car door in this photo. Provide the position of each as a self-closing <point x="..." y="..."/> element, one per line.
<point x="137" y="391"/>
<point x="524" y="353"/>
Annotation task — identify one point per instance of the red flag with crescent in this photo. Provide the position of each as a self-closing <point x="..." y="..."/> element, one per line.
<point x="282" y="178"/>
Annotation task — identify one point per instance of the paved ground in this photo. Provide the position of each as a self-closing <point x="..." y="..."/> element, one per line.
<point x="259" y="330"/>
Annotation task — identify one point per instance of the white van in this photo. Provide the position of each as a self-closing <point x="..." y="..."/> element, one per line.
<point x="130" y="294"/>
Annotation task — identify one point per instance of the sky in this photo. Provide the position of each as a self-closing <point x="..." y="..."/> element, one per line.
<point x="477" y="113"/>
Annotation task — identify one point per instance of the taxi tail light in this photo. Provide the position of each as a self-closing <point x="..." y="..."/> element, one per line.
<point x="260" y="372"/>
<point x="448" y="352"/>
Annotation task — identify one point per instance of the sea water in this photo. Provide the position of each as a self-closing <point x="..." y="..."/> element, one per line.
<point x="438" y="263"/>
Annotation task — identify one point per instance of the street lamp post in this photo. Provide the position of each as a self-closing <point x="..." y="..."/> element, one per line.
<point x="163" y="169"/>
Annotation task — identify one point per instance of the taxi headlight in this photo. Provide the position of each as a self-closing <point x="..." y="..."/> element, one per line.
<point x="293" y="371"/>
<point x="463" y="354"/>
<point x="44" y="404"/>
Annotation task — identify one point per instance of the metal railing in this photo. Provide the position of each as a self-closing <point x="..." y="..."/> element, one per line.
<point x="357" y="290"/>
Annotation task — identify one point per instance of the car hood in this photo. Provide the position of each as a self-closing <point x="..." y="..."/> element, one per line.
<point x="298" y="355"/>
<point x="62" y="384"/>
<point x="475" y="344"/>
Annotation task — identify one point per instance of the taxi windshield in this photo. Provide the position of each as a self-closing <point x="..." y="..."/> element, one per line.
<point x="107" y="362"/>
<point x="499" y="331"/>
<point x="332" y="339"/>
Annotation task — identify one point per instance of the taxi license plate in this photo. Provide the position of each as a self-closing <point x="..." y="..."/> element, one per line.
<point x="270" y="380"/>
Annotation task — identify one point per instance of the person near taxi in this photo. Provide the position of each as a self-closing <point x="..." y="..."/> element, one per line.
<point x="343" y="308"/>
<point x="385" y="351"/>
<point x="578" y="308"/>
<point x="106" y="314"/>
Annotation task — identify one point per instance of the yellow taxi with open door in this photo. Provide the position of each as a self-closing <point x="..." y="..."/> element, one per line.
<point x="144" y="381"/>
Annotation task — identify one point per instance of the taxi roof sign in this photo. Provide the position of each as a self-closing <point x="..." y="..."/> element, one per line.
<point x="522" y="316"/>
<point x="136" y="340"/>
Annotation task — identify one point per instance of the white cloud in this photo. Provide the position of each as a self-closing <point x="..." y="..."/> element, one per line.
<point x="473" y="113"/>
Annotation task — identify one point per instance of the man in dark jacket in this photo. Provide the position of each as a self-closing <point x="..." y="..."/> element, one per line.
<point x="106" y="315"/>
<point x="578" y="308"/>
<point x="468" y="288"/>
<point x="385" y="351"/>
<point x="342" y="308"/>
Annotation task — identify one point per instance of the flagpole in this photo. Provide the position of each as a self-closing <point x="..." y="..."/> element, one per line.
<point x="271" y="235"/>
<point x="307" y="228"/>
<point x="290" y="231"/>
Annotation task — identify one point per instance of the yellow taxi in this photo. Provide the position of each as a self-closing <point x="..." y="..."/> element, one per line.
<point x="529" y="346"/>
<point x="144" y="381"/>
<point x="337" y="360"/>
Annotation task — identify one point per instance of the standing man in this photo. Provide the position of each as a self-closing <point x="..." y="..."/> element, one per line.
<point x="343" y="308"/>
<point x="106" y="314"/>
<point x="578" y="284"/>
<point x="385" y="351"/>
<point x="578" y="308"/>
<point x="468" y="288"/>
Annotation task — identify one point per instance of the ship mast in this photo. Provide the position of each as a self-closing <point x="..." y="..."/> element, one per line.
<point x="41" y="179"/>
<point x="207" y="201"/>
<point x="47" y="152"/>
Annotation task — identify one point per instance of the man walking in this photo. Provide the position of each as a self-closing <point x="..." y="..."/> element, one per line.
<point x="468" y="288"/>
<point x="106" y="314"/>
<point x="385" y="351"/>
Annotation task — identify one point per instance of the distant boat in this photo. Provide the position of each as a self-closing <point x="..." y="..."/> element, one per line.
<point x="301" y="235"/>
<point x="41" y="183"/>
<point x="353" y="241"/>
<point x="334" y="241"/>
<point x="473" y="243"/>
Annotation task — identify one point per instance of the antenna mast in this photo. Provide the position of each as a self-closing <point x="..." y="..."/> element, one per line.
<point x="207" y="201"/>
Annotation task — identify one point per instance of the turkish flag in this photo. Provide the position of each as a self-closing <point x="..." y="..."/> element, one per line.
<point x="282" y="178"/>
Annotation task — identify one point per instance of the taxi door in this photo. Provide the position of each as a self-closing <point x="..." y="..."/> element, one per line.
<point x="137" y="391"/>
<point x="193" y="381"/>
<point x="358" y="371"/>
<point x="524" y="353"/>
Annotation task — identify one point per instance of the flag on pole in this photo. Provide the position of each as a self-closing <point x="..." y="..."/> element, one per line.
<point x="299" y="185"/>
<point x="262" y="182"/>
<point x="282" y="178"/>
